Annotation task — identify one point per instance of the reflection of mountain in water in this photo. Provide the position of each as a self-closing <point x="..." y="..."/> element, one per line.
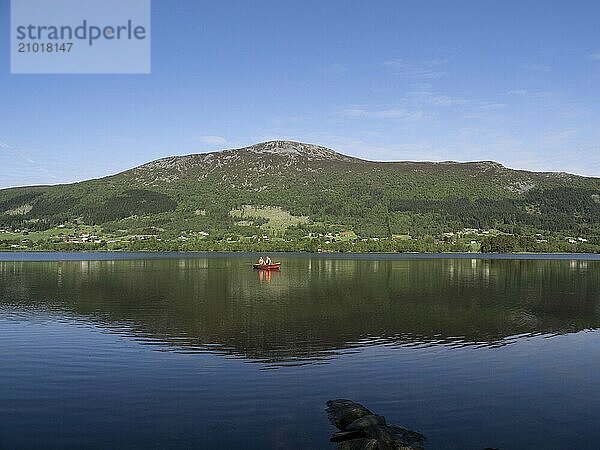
<point x="314" y="306"/>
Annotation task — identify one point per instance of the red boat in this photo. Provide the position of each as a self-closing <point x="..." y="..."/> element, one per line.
<point x="273" y="266"/>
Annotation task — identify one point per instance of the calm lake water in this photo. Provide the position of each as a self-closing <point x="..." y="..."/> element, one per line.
<point x="202" y="351"/>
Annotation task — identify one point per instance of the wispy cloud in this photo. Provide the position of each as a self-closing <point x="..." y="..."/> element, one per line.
<point x="213" y="140"/>
<point x="537" y="96"/>
<point x="433" y="104"/>
<point x="490" y="106"/>
<point x="426" y="70"/>
<point x="479" y="109"/>
<point x="595" y="56"/>
<point x="430" y="98"/>
<point x="335" y="69"/>
<point x="21" y="154"/>
<point x="394" y="113"/>
<point x="517" y="92"/>
<point x="561" y="137"/>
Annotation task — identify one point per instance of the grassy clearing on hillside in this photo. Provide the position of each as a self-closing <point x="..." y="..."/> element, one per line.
<point x="278" y="220"/>
<point x="20" y="210"/>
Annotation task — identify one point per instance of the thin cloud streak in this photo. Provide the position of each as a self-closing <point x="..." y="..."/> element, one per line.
<point x="213" y="140"/>
<point x="29" y="160"/>
<point x="595" y="56"/>
<point x="394" y="113"/>
<point x="425" y="71"/>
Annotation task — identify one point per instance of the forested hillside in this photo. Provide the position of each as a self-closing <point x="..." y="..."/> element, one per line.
<point x="287" y="195"/>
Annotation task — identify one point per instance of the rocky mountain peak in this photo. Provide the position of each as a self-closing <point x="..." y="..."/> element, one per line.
<point x="295" y="149"/>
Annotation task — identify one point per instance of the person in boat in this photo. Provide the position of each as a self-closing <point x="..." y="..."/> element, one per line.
<point x="261" y="261"/>
<point x="268" y="260"/>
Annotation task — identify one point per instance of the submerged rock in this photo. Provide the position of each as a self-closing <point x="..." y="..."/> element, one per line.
<point x="366" y="422"/>
<point x="360" y="429"/>
<point x="359" y="444"/>
<point x="341" y="436"/>
<point x="343" y="412"/>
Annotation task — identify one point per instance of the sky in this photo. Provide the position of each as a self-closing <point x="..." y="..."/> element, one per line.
<point x="516" y="82"/>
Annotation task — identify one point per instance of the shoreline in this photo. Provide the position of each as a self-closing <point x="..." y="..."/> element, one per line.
<point x="80" y="255"/>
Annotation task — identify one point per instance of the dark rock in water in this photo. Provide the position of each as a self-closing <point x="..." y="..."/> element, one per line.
<point x="361" y="429"/>
<point x="372" y="444"/>
<point x="365" y="422"/>
<point x="343" y="412"/>
<point x="392" y="433"/>
<point x="359" y="444"/>
<point x="346" y="435"/>
<point x="394" y="437"/>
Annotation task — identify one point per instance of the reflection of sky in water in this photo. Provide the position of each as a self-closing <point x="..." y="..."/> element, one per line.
<point x="61" y="374"/>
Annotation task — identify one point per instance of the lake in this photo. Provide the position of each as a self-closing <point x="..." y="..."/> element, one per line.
<point x="179" y="351"/>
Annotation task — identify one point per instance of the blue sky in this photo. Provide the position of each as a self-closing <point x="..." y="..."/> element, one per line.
<point x="511" y="81"/>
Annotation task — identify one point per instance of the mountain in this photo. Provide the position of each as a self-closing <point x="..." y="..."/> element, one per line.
<point x="290" y="191"/>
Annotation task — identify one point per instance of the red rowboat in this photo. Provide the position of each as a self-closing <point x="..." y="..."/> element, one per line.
<point x="274" y="266"/>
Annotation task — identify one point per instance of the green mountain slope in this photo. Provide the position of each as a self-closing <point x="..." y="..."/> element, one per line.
<point x="292" y="191"/>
